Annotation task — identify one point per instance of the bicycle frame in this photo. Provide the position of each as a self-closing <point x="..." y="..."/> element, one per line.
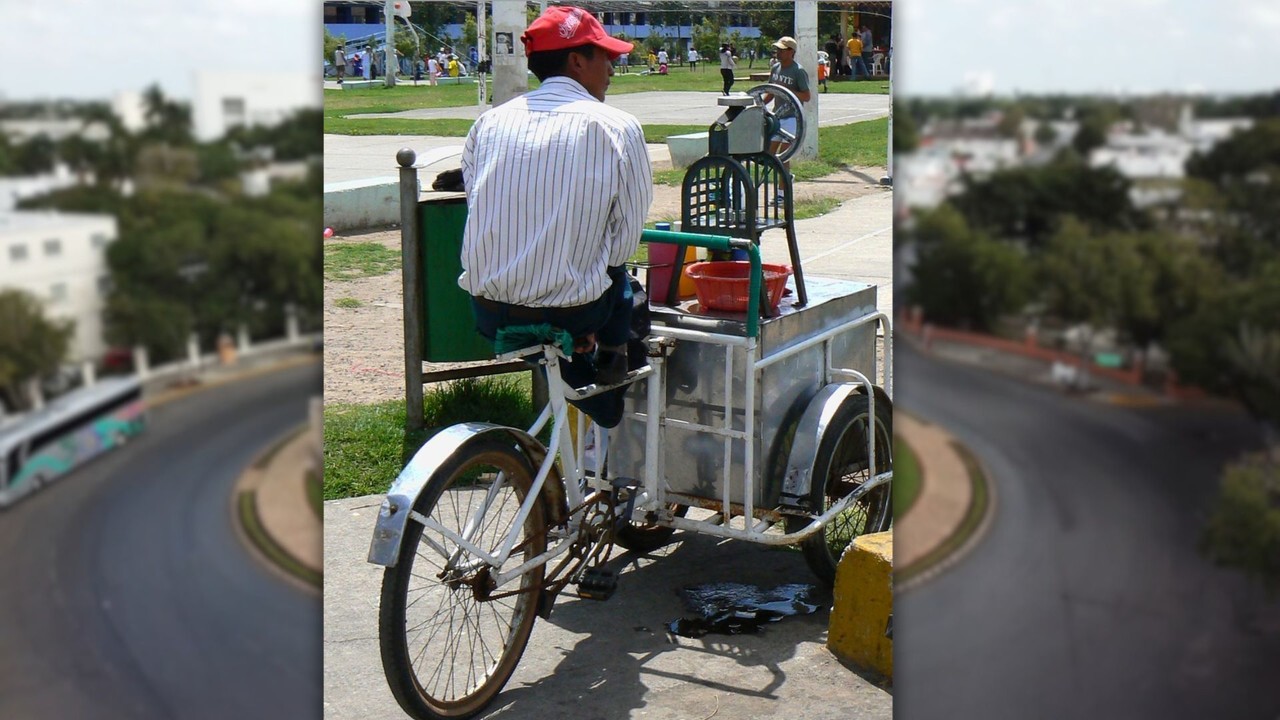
<point x="582" y="492"/>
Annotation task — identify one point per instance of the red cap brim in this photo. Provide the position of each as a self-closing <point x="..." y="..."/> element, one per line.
<point x="614" y="46"/>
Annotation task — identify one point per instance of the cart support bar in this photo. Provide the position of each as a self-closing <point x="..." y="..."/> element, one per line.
<point x="721" y="243"/>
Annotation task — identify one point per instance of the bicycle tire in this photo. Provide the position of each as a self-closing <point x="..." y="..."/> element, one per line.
<point x="841" y="464"/>
<point x="477" y="643"/>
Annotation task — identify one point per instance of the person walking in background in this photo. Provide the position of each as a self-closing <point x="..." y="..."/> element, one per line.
<point x="823" y="71"/>
<point x="693" y="59"/>
<point x="727" y="65"/>
<point x="653" y="60"/>
<point x="559" y="260"/>
<point x="867" y="48"/>
<point x="624" y="62"/>
<point x="340" y="62"/>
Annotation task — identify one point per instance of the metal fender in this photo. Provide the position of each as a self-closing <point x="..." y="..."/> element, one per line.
<point x="798" y="479"/>
<point x="393" y="516"/>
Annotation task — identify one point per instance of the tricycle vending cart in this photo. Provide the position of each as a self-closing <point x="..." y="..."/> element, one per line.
<point x="773" y="430"/>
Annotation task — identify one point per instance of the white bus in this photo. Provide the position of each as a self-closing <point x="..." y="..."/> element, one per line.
<point x="43" y="445"/>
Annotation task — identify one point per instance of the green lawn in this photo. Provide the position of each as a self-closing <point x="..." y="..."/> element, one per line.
<point x="365" y="445"/>
<point x="348" y="261"/>
<point x="906" y="478"/>
<point x="340" y="103"/>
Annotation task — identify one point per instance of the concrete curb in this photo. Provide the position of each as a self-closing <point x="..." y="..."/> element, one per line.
<point x="952" y="545"/>
<point x="267" y="531"/>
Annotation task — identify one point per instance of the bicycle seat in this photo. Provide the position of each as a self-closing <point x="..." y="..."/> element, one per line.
<point x="526" y="340"/>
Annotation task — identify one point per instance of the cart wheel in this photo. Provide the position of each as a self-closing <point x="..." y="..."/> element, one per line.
<point x="646" y="537"/>
<point x="841" y="464"/>
<point x="786" y="106"/>
<point x="448" y="648"/>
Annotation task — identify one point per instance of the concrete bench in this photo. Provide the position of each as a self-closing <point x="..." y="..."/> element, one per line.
<point x="686" y="149"/>
<point x="349" y="84"/>
<point x="375" y="202"/>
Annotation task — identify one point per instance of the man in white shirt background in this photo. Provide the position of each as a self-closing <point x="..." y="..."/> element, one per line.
<point x="558" y="187"/>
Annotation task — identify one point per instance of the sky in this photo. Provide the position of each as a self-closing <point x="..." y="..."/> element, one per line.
<point x="945" y="47"/>
<point x="92" y="49"/>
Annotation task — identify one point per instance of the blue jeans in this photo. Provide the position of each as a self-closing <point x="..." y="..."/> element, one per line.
<point x="608" y="316"/>
<point x="860" y="67"/>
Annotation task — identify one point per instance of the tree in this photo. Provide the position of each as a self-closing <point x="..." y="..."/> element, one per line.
<point x="167" y="121"/>
<point x="1094" y="279"/>
<point x="706" y="36"/>
<point x="1044" y="134"/>
<point x="31" y="346"/>
<point x="774" y="19"/>
<point x="36" y="155"/>
<point x="1244" y="529"/>
<point x="1026" y="203"/>
<point x="1228" y="344"/>
<point x="963" y="277"/>
<point x="905" y="136"/>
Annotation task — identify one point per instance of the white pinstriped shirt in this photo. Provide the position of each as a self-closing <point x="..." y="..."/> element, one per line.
<point x="558" y="186"/>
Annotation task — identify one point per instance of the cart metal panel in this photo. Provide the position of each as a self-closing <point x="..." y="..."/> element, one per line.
<point x="693" y="461"/>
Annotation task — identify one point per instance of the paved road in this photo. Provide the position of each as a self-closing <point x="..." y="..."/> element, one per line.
<point x="126" y="593"/>
<point x="1087" y="598"/>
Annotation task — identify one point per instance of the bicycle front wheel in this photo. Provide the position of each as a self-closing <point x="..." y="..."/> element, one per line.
<point x="450" y="640"/>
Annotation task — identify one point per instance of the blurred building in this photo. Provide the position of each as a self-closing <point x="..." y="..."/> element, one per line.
<point x="61" y="259"/>
<point x="131" y="110"/>
<point x="16" y="188"/>
<point x="228" y="100"/>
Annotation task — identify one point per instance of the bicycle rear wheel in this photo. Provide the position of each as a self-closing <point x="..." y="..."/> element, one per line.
<point x="449" y="640"/>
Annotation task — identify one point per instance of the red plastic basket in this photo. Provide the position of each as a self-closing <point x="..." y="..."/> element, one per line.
<point x="724" y="285"/>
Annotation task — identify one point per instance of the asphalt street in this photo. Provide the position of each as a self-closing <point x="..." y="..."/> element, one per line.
<point x="1087" y="597"/>
<point x="126" y="592"/>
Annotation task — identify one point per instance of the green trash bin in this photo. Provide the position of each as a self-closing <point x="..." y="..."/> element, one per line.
<point x="449" y="325"/>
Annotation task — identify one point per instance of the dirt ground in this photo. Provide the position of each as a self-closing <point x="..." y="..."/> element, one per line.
<point x="364" y="353"/>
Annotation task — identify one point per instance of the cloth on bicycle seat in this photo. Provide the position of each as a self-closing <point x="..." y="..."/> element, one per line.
<point x="518" y="337"/>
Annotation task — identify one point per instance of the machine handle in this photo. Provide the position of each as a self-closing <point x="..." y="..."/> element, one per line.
<point x="721" y="243"/>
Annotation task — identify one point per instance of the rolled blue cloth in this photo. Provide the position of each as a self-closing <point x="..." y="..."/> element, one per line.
<point x="518" y="337"/>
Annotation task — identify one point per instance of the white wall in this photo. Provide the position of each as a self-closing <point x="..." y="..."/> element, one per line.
<point x="266" y="99"/>
<point x="77" y="269"/>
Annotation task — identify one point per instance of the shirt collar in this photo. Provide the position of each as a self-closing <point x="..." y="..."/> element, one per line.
<point x="562" y="83"/>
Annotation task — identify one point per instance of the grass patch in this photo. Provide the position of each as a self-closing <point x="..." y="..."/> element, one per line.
<point x="252" y="524"/>
<point x="441" y="127"/>
<point x="348" y="261"/>
<point x="658" y="134"/>
<point x="973" y="517"/>
<point x="315" y="494"/>
<point x="806" y="209"/>
<point x="859" y="144"/>
<point x="349" y="303"/>
<point x="365" y="445"/>
<point x="906" y="478"/>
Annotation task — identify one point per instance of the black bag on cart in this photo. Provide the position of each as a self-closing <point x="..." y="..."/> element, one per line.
<point x="641" y="324"/>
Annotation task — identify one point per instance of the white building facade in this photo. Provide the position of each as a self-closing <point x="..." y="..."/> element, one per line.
<point x="60" y="258"/>
<point x="227" y="100"/>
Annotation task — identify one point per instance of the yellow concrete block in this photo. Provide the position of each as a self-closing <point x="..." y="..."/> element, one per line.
<point x="863" y="603"/>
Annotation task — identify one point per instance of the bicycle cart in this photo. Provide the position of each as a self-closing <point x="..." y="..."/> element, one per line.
<point x="779" y="426"/>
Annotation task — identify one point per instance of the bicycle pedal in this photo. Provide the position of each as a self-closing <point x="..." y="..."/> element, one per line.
<point x="597" y="584"/>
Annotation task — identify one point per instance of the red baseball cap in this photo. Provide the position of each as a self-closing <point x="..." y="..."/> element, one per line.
<point x="563" y="26"/>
